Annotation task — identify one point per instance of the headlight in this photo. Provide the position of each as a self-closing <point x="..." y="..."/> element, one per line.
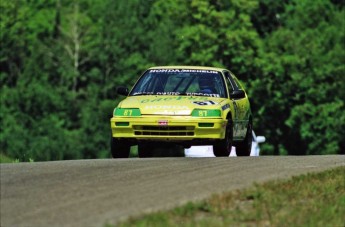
<point x="206" y="113"/>
<point x="127" y="112"/>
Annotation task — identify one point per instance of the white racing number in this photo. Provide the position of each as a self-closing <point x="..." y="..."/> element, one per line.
<point x="205" y="103"/>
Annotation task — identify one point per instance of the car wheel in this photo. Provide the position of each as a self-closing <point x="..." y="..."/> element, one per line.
<point x="244" y="147"/>
<point x="145" y="150"/>
<point x="222" y="148"/>
<point x="119" y="148"/>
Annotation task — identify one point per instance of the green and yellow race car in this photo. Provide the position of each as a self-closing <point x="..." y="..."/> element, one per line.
<point x="183" y="105"/>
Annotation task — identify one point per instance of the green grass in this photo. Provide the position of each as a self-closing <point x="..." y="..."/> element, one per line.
<point x="6" y="159"/>
<point x="316" y="199"/>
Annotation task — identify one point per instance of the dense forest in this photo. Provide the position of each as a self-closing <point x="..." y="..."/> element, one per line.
<point x="61" y="61"/>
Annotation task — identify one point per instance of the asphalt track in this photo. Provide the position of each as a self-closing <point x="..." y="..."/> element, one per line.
<point x="96" y="192"/>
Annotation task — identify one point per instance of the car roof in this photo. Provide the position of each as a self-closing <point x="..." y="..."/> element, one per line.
<point x="188" y="67"/>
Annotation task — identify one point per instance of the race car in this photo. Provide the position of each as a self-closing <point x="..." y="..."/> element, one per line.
<point x="182" y="105"/>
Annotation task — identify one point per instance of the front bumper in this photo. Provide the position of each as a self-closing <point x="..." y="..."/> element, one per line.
<point x="168" y="128"/>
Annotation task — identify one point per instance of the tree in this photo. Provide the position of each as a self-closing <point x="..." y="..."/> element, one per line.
<point x="301" y="79"/>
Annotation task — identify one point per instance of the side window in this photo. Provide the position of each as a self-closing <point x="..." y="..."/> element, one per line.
<point x="229" y="82"/>
<point x="238" y="84"/>
<point x="234" y="82"/>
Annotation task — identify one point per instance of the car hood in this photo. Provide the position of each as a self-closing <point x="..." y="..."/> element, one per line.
<point x="170" y="105"/>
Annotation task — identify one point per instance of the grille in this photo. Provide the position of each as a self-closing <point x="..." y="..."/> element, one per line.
<point x="163" y="131"/>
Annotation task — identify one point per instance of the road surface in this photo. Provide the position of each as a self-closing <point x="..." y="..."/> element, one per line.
<point x="96" y="192"/>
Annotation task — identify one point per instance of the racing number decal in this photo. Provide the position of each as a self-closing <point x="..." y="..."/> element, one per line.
<point x="205" y="103"/>
<point x="127" y="113"/>
<point x="202" y="113"/>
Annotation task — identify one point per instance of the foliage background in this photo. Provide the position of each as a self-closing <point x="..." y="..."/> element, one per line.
<point x="61" y="60"/>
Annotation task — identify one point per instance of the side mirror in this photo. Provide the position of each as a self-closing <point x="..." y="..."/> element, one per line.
<point x="238" y="94"/>
<point x="260" y="139"/>
<point x="122" y="91"/>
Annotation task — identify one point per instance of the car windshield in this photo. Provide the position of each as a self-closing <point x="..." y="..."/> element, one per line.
<point x="180" y="82"/>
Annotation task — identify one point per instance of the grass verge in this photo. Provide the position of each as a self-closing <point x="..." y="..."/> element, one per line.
<point x="6" y="159"/>
<point x="316" y="199"/>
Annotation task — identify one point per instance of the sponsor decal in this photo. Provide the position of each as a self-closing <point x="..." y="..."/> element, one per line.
<point x="168" y="93"/>
<point x="176" y="94"/>
<point x="205" y="103"/>
<point x="162" y="99"/>
<point x="202" y="94"/>
<point x="227" y="106"/>
<point x="163" y="122"/>
<point x="182" y="71"/>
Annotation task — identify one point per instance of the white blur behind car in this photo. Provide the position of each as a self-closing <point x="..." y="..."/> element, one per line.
<point x="207" y="151"/>
<point x="255" y="144"/>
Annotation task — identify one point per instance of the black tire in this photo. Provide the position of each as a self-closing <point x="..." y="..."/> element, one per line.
<point x="222" y="148"/>
<point x="145" y="150"/>
<point x="244" y="147"/>
<point x="119" y="148"/>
